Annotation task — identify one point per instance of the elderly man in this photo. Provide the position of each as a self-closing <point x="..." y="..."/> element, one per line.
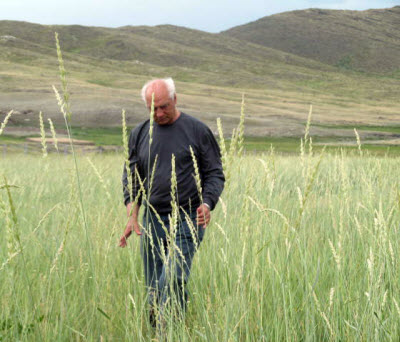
<point x="167" y="262"/>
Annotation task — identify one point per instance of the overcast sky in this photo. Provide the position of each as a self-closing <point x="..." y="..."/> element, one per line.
<point x="206" y="15"/>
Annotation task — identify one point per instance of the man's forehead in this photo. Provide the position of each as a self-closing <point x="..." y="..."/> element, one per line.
<point x="158" y="88"/>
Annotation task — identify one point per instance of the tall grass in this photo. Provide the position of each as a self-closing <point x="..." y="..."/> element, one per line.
<point x="261" y="273"/>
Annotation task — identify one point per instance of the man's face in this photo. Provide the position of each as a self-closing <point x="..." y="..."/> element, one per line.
<point x="165" y="112"/>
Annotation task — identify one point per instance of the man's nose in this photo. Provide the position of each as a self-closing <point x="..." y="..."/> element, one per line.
<point x="159" y="112"/>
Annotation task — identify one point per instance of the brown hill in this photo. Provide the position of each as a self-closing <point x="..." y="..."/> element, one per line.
<point x="107" y="67"/>
<point x="361" y="40"/>
<point x="163" y="46"/>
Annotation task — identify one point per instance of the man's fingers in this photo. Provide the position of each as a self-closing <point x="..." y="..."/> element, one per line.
<point x="203" y="216"/>
<point x="203" y="220"/>
<point x="127" y="234"/>
<point x="122" y="242"/>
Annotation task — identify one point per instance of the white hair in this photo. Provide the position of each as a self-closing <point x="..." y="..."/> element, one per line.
<point x="169" y="83"/>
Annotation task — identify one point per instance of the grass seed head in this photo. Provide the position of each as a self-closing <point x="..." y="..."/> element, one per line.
<point x="4" y="123"/>
<point x="43" y="136"/>
<point x="53" y="133"/>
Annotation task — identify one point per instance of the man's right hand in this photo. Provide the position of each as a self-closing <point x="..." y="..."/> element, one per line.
<point x="127" y="233"/>
<point x="132" y="225"/>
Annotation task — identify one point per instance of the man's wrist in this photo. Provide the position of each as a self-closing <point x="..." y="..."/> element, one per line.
<point x="207" y="205"/>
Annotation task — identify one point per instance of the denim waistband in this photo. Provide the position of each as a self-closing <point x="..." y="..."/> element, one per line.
<point x="182" y="213"/>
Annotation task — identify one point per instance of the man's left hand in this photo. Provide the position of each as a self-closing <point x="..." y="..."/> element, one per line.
<point x="203" y="215"/>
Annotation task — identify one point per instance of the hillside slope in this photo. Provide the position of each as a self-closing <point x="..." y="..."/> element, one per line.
<point x="191" y="51"/>
<point x="360" y="40"/>
<point x="107" y="67"/>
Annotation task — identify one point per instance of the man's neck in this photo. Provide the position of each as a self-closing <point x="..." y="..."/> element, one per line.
<point x="177" y="115"/>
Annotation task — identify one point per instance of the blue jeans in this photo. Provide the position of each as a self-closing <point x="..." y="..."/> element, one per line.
<point x="167" y="257"/>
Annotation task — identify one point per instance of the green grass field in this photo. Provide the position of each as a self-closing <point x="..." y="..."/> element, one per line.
<point x="284" y="145"/>
<point x="300" y="248"/>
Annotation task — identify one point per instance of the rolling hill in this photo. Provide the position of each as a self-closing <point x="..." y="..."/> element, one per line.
<point x="161" y="46"/>
<point x="362" y="40"/>
<point x="107" y="66"/>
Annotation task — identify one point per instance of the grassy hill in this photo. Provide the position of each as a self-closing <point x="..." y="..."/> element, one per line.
<point x="204" y="56"/>
<point x="107" y="67"/>
<point x="360" y="40"/>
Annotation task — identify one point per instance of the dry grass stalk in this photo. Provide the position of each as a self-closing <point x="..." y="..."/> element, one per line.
<point x="126" y="155"/>
<point x="11" y="243"/>
<point x="43" y="136"/>
<point x="331" y="294"/>
<point x="63" y="78"/>
<point x="100" y="178"/>
<point x="53" y="133"/>
<point x="308" y="124"/>
<point x="10" y="257"/>
<point x="192" y="229"/>
<point x="396" y="305"/>
<point x="240" y="129"/>
<point x="335" y="253"/>
<point x="323" y="315"/>
<point x="196" y="174"/>
<point x="358" y="142"/>
<point x="222" y="145"/>
<point x="174" y="201"/>
<point x="151" y="122"/>
<point x="4" y="123"/>
<point x="153" y="172"/>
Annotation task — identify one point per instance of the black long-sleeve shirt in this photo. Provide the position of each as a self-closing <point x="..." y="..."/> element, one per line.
<point x="176" y="139"/>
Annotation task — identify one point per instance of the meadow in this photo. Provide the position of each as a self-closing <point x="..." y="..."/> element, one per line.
<point x="301" y="247"/>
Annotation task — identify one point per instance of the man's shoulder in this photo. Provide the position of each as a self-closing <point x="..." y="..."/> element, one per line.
<point x="137" y="130"/>
<point x="194" y="122"/>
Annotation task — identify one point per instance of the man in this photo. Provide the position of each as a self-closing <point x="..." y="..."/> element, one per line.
<point x="168" y="251"/>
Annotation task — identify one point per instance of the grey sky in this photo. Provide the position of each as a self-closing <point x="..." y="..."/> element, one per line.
<point x="206" y="15"/>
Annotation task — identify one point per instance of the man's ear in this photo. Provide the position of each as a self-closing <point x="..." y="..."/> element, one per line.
<point x="175" y="98"/>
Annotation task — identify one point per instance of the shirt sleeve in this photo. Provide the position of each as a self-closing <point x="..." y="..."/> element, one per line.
<point x="210" y="166"/>
<point x="131" y="184"/>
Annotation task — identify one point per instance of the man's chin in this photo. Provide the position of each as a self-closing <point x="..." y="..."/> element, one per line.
<point x="161" y="122"/>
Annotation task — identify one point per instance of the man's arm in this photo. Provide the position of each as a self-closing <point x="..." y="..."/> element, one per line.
<point x="212" y="176"/>
<point x="131" y="190"/>
<point x="211" y="170"/>
<point x="132" y="211"/>
<point x="132" y="173"/>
